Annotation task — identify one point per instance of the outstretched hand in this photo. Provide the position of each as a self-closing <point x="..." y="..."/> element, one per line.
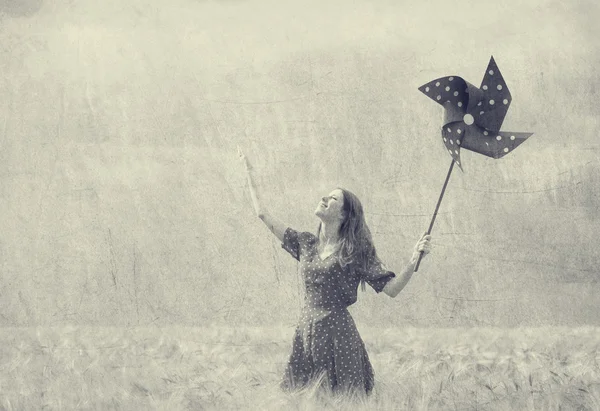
<point x="423" y="245"/>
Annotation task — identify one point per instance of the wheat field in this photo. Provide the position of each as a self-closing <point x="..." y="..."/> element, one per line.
<point x="218" y="368"/>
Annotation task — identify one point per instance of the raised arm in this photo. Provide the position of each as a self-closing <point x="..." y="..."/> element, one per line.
<point x="396" y="284"/>
<point x="274" y="224"/>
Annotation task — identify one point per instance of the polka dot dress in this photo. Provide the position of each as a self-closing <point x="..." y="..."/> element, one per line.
<point x="327" y="347"/>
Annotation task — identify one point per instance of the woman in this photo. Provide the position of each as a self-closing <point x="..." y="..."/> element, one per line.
<point x="327" y="348"/>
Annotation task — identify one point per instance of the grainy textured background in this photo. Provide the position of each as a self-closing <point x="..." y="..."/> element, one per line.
<point x="123" y="202"/>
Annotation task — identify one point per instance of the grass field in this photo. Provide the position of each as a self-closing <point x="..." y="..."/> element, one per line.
<point x="222" y="368"/>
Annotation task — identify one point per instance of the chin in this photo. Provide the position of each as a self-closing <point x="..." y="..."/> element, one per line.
<point x="320" y="212"/>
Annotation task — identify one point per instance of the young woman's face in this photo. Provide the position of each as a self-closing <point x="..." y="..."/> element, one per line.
<point x="331" y="207"/>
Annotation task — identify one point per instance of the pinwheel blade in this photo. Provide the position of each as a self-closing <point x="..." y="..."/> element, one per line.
<point x="449" y="89"/>
<point x="491" y="110"/>
<point x="453" y="134"/>
<point x="492" y="144"/>
<point x="452" y="113"/>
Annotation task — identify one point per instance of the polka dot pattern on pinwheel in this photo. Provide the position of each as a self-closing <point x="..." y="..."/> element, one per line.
<point x="496" y="99"/>
<point x="453" y="135"/>
<point x="474" y="115"/>
<point x="508" y="141"/>
<point x="494" y="145"/>
<point x="447" y="89"/>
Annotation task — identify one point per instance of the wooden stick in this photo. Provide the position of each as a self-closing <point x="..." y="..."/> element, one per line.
<point x="437" y="207"/>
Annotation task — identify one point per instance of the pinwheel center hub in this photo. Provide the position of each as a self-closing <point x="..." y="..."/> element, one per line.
<point x="468" y="119"/>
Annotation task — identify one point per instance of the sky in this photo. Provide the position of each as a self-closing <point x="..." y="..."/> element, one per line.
<point x="125" y="202"/>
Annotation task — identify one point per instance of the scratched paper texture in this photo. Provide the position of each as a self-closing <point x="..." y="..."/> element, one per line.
<point x="123" y="202"/>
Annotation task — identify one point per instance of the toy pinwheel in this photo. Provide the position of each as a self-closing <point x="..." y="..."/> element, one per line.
<point x="472" y="118"/>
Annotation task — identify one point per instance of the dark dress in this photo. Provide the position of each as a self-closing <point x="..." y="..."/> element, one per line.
<point x="327" y="347"/>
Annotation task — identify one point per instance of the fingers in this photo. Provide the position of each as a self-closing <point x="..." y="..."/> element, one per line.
<point x="424" y="244"/>
<point x="425" y="240"/>
<point x="425" y="249"/>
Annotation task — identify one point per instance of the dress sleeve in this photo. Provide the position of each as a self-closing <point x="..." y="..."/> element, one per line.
<point x="376" y="275"/>
<point x="293" y="241"/>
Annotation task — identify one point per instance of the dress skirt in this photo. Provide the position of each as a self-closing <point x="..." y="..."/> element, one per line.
<point x="328" y="351"/>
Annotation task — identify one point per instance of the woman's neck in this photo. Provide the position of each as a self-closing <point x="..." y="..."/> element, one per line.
<point x="329" y="233"/>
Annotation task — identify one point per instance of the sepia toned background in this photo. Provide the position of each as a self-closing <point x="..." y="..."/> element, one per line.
<point x="123" y="202"/>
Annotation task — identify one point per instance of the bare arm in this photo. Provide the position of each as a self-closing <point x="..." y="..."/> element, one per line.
<point x="274" y="224"/>
<point x="396" y="284"/>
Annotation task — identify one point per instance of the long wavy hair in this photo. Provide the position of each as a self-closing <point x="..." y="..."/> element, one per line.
<point x="355" y="241"/>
